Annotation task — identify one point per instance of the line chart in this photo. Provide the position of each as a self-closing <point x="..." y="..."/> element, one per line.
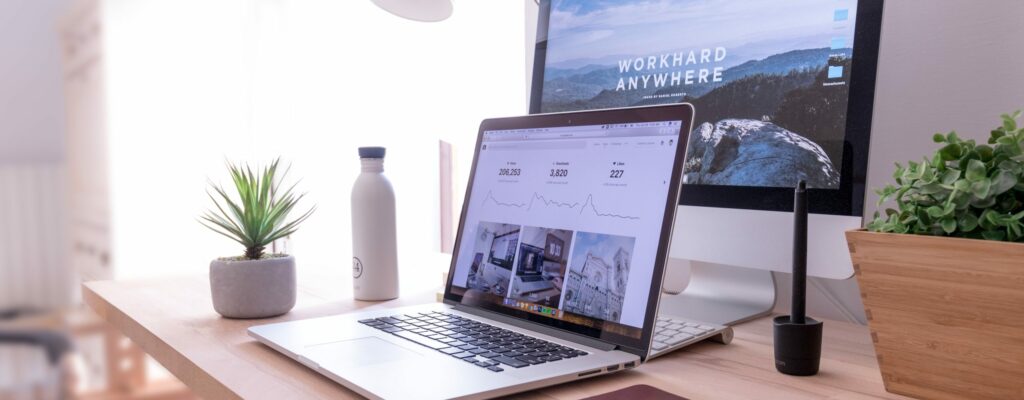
<point x="548" y="203"/>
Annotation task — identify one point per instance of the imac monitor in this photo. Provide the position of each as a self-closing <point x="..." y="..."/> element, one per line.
<point x="783" y="91"/>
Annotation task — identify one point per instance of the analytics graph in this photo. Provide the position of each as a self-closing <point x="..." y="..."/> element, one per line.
<point x="539" y="200"/>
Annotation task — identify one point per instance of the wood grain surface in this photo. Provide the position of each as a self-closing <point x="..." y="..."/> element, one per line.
<point x="945" y="313"/>
<point x="173" y="321"/>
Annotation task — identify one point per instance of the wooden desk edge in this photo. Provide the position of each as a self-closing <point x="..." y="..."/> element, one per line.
<point x="197" y="379"/>
<point x="204" y="383"/>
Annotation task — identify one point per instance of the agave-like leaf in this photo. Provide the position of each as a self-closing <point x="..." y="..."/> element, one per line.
<point x="213" y="228"/>
<point x="258" y="215"/>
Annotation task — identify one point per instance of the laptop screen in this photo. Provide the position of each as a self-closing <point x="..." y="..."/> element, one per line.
<point x="564" y="223"/>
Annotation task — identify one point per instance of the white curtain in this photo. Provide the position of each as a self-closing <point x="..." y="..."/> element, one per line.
<point x="194" y="82"/>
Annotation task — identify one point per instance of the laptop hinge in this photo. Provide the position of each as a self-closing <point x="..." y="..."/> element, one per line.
<point x="532" y="326"/>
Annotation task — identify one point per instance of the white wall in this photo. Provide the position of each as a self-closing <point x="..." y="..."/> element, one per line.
<point x="943" y="65"/>
<point x="193" y="82"/>
<point x="31" y="89"/>
<point x="33" y="263"/>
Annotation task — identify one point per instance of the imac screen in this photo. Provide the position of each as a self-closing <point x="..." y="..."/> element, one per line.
<point x="770" y="81"/>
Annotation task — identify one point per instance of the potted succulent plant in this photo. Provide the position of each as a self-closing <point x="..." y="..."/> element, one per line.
<point x="256" y="284"/>
<point x="941" y="274"/>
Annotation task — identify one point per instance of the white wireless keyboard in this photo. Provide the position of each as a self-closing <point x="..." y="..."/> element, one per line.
<point x="671" y="333"/>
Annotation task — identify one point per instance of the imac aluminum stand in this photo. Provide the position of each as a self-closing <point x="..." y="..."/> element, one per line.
<point x="716" y="293"/>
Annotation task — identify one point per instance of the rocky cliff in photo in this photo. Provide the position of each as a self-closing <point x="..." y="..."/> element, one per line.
<point x="745" y="152"/>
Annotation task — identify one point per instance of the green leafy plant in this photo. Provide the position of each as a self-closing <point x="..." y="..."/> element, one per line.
<point x="965" y="189"/>
<point x="258" y="216"/>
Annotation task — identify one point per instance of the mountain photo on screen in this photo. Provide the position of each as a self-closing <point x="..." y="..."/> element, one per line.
<point x="770" y="93"/>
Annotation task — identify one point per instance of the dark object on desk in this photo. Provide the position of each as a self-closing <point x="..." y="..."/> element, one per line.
<point x="797" y="337"/>
<point x="635" y="392"/>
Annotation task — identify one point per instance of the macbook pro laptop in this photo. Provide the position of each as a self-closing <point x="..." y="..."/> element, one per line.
<point x="590" y="199"/>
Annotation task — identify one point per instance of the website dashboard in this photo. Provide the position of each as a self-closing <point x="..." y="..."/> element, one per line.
<point x="565" y="222"/>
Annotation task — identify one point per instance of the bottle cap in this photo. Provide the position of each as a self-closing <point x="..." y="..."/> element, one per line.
<point x="371" y="152"/>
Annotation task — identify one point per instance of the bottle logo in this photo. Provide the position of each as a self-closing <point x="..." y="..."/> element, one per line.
<point x="357" y="267"/>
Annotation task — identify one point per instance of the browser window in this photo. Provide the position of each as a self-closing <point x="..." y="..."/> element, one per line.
<point x="565" y="222"/>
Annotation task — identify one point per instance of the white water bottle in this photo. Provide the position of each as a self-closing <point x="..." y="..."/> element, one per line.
<point x="374" y="248"/>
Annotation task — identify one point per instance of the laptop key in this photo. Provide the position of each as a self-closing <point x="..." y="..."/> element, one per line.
<point x="450" y="350"/>
<point x="495" y="368"/>
<point x="392" y="329"/>
<point x="464" y="354"/>
<point x="431" y="343"/>
<point x="512" y="362"/>
<point x="490" y="355"/>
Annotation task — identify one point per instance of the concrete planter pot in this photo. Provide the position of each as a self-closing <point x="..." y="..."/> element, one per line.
<point x="253" y="288"/>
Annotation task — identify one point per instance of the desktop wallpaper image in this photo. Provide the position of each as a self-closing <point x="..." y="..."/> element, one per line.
<point x="770" y="94"/>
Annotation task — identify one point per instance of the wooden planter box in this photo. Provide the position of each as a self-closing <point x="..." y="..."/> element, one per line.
<point x="946" y="315"/>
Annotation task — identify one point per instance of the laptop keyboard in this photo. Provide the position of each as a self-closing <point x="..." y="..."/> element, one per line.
<point x="475" y="342"/>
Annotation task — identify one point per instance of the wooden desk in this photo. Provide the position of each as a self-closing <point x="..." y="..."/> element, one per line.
<point x="173" y="320"/>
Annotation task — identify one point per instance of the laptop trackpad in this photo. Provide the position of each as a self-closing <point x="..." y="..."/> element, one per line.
<point x="357" y="353"/>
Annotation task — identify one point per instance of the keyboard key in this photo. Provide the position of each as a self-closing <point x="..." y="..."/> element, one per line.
<point x="478" y="351"/>
<point x="365" y="321"/>
<point x="431" y="343"/>
<point x="467" y="347"/>
<point x="495" y="369"/>
<point x="692" y="331"/>
<point x="490" y="355"/>
<point x="464" y="354"/>
<point x="392" y="329"/>
<point x="674" y="340"/>
<point x="512" y="362"/>
<point x="659" y="346"/>
<point x="450" y="350"/>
